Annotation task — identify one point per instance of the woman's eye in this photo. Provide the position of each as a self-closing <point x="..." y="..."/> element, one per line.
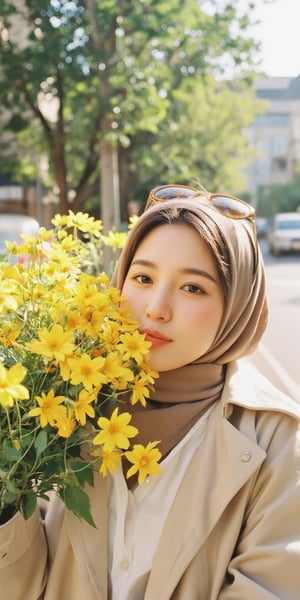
<point x="192" y="288"/>
<point x="142" y="279"/>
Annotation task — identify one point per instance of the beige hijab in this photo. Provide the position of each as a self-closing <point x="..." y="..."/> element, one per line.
<point x="182" y="395"/>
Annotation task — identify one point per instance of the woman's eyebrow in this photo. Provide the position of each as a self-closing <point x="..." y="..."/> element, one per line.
<point x="201" y="272"/>
<point x="143" y="263"/>
<point x="185" y="271"/>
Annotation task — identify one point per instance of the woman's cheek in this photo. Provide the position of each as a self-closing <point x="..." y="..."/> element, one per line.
<point x="131" y="298"/>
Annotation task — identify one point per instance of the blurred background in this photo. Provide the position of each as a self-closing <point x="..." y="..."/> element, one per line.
<point x="102" y="100"/>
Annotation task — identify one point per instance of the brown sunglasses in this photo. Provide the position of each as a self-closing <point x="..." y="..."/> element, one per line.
<point x="228" y="206"/>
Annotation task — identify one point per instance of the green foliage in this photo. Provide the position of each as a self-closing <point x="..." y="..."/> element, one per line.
<point x="148" y="81"/>
<point x="283" y="197"/>
<point x="75" y="497"/>
<point x="28" y="504"/>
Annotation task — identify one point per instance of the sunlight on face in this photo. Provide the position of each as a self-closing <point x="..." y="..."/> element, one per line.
<point x="174" y="291"/>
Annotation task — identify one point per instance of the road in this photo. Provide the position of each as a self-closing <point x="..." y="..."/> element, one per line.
<point x="278" y="354"/>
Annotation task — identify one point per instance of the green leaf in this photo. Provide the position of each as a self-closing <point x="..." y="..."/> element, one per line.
<point x="28" y="504"/>
<point x="9" y="497"/>
<point x="78" y="502"/>
<point x="10" y="452"/>
<point x="11" y="487"/>
<point x="41" y="441"/>
<point x="84" y="472"/>
<point x="53" y="468"/>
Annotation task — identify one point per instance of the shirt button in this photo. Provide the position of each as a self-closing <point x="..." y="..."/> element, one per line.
<point x="124" y="564"/>
<point x="246" y="456"/>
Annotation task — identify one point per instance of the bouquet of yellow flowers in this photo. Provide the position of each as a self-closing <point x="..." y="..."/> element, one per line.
<point x="70" y="354"/>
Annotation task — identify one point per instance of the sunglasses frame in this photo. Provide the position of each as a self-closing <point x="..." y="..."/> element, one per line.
<point x="183" y="190"/>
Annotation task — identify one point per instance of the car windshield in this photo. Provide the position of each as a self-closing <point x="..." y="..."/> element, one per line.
<point x="289" y="224"/>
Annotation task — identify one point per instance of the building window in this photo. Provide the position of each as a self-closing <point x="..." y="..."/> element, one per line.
<point x="279" y="163"/>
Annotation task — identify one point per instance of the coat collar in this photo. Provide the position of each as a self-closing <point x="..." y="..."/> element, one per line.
<point x="246" y="387"/>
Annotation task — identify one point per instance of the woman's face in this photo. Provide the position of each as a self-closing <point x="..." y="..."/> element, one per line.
<point x="173" y="290"/>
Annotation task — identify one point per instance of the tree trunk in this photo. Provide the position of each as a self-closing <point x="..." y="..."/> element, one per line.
<point x="109" y="189"/>
<point x="108" y="154"/>
<point x="110" y="196"/>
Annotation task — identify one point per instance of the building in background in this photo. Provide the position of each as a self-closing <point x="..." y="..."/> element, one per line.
<point x="275" y="134"/>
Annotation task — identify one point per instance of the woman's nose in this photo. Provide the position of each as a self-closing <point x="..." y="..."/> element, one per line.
<point x="158" y="308"/>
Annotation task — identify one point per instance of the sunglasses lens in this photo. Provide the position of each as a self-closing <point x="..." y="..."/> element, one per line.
<point x="172" y="192"/>
<point x="230" y="207"/>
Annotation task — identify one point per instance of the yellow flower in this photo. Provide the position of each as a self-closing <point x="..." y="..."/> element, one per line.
<point x="54" y="344"/>
<point x="144" y="459"/>
<point x="140" y="391"/>
<point x="115" y="431"/>
<point x="8" y="299"/>
<point x="83" y="406"/>
<point x="132" y="221"/>
<point x="84" y="223"/>
<point x="67" y="244"/>
<point x="94" y="228"/>
<point x="12" y="247"/>
<point x="73" y="319"/>
<point x="87" y="370"/>
<point x="60" y="220"/>
<point x="133" y="345"/>
<point x="89" y="297"/>
<point x="110" y="462"/>
<point x="64" y="262"/>
<point x="46" y="235"/>
<point x="114" y="368"/>
<point x="92" y="321"/>
<point x="103" y="278"/>
<point x="147" y="372"/>
<point x="38" y="292"/>
<point x="10" y="385"/>
<point x="111" y="334"/>
<point x="115" y="239"/>
<point x="65" y="426"/>
<point x="49" y="409"/>
<point x="9" y="334"/>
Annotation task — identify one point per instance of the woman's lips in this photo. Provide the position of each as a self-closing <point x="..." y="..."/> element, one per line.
<point x="155" y="337"/>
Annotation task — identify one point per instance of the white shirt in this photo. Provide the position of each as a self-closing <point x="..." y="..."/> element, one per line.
<point x="136" y="518"/>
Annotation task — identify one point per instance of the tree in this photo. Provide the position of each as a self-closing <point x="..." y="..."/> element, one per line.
<point x="123" y="78"/>
<point x="280" y="197"/>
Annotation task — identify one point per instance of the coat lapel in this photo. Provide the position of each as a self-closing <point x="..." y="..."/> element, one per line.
<point x="222" y="464"/>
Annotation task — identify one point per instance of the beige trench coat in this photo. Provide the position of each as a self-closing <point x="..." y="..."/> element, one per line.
<point x="233" y="532"/>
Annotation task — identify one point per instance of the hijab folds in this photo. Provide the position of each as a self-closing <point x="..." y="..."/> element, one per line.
<point x="180" y="396"/>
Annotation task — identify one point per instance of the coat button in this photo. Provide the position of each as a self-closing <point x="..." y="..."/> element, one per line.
<point x="124" y="564"/>
<point x="246" y="456"/>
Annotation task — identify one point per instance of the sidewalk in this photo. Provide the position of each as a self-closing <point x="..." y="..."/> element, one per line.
<point x="269" y="366"/>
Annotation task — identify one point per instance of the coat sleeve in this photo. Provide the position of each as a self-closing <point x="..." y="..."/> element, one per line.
<point x="23" y="558"/>
<point x="266" y="561"/>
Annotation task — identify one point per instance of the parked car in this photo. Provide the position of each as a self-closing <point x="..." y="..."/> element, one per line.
<point x="284" y="233"/>
<point x="12" y="226"/>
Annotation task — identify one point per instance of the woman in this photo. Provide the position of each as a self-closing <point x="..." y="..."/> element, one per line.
<point x="221" y="520"/>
